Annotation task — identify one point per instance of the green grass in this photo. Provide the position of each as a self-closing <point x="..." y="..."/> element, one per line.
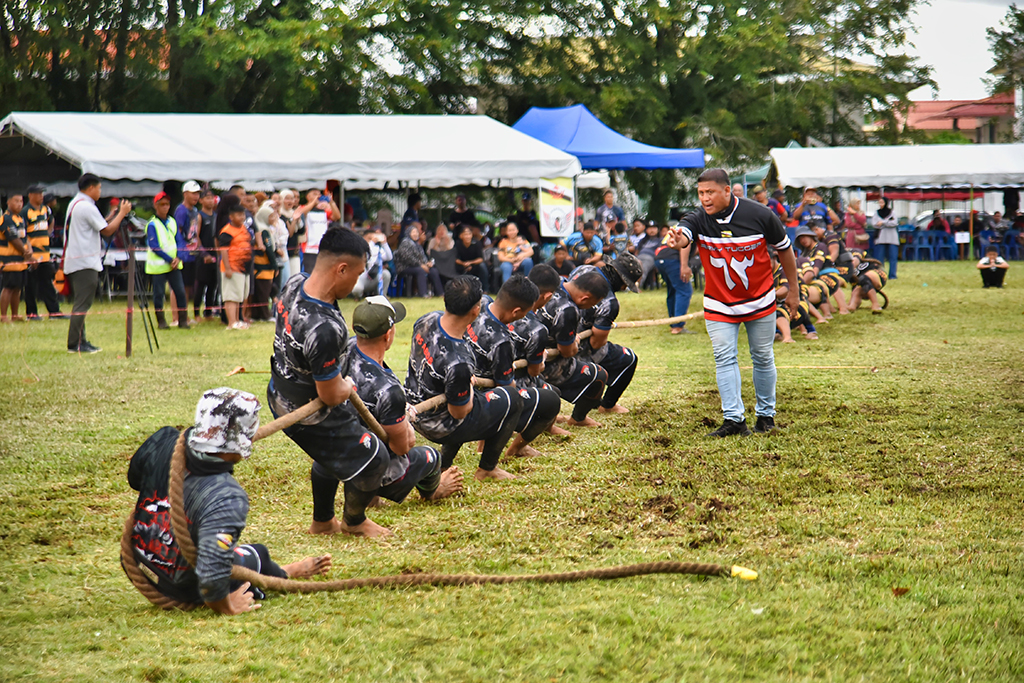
<point x="909" y="476"/>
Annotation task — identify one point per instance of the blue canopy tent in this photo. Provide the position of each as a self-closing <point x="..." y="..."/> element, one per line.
<point x="577" y="131"/>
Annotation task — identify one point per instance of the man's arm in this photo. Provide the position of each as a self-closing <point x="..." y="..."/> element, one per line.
<point x="115" y="222"/>
<point x="788" y="262"/>
<point x="334" y="391"/>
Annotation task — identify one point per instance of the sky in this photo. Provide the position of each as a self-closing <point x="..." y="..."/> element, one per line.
<point x="951" y="38"/>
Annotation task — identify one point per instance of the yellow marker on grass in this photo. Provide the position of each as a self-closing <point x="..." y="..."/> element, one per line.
<point x="744" y="573"/>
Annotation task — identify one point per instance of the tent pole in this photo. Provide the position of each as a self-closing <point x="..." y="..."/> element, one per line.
<point x="970" y="213"/>
<point x="341" y="194"/>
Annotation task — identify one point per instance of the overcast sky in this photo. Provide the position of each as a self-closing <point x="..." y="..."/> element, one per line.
<point x="951" y="39"/>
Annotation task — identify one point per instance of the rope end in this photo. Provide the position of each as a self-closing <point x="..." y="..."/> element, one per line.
<point x="744" y="573"/>
<point x="237" y="371"/>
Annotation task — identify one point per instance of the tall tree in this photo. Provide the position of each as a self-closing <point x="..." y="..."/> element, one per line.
<point x="1007" y="46"/>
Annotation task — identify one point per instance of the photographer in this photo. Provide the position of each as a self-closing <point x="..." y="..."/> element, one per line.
<point x="82" y="254"/>
<point x="376" y="278"/>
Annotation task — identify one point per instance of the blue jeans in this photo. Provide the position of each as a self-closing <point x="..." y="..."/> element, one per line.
<point x="525" y="266"/>
<point x="724" y="343"/>
<point x="160" y="282"/>
<point x="890" y="252"/>
<point x="678" y="293"/>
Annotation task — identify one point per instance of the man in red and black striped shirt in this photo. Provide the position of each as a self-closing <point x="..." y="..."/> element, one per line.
<point x="732" y="236"/>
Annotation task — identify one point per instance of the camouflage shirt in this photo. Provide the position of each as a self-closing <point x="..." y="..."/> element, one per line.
<point x="561" y="317"/>
<point x="310" y="342"/>
<point x="600" y="317"/>
<point x="376" y="384"/>
<point x="494" y="352"/>
<point x="438" y="364"/>
<point x="530" y="341"/>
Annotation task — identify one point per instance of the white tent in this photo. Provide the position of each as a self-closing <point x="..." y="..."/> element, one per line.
<point x="919" y="166"/>
<point x="302" y="150"/>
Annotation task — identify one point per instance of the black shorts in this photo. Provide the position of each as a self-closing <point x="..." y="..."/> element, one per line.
<point x="13" y="279"/>
<point x="571" y="376"/>
<point x="188" y="273"/>
<point x="615" y="359"/>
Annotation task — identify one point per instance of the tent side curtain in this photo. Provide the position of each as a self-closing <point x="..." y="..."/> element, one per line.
<point x="919" y="166"/>
<point x="453" y="150"/>
<point x="577" y="131"/>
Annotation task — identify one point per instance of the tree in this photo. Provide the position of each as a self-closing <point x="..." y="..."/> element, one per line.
<point x="1007" y="48"/>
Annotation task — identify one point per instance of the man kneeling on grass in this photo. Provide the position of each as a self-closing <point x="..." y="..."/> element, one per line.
<point x="215" y="505"/>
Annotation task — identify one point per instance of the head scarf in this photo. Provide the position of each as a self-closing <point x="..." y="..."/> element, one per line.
<point x="886" y="210"/>
<point x="226" y="422"/>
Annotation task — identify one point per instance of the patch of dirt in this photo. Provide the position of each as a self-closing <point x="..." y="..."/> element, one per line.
<point x="707" y="538"/>
<point x="708" y="422"/>
<point x="662" y="440"/>
<point x="664" y="505"/>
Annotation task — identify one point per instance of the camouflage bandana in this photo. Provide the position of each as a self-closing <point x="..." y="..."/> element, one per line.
<point x="226" y="422"/>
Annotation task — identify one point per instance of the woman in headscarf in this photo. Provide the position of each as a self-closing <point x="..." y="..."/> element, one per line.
<point x="265" y="261"/>
<point x="854" y="222"/>
<point x="887" y="236"/>
<point x="441" y="249"/>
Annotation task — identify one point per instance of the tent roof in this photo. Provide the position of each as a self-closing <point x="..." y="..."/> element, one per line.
<point x="920" y="166"/>
<point x="247" y="148"/>
<point x="577" y="131"/>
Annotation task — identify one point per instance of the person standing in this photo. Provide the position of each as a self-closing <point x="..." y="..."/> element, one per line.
<point x="674" y="266"/>
<point x="887" y="236"/>
<point x="82" y="254"/>
<point x="163" y="264"/>
<point x="733" y="237"/>
<point x="186" y="215"/>
<point x="39" y="278"/>
<point x="15" y="257"/>
<point x="462" y="214"/>
<point x="235" y="245"/>
<point x="206" y="258"/>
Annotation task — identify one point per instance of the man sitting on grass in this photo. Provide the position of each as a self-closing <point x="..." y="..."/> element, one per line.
<point x="215" y="504"/>
<point x="993" y="268"/>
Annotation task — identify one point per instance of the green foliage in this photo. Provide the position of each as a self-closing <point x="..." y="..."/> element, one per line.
<point x="948" y="137"/>
<point x="1007" y="46"/>
<point x="908" y="477"/>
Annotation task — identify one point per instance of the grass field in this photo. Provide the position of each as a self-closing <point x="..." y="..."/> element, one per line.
<point x="903" y="475"/>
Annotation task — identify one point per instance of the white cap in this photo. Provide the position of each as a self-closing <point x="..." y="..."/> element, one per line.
<point x="191" y="186"/>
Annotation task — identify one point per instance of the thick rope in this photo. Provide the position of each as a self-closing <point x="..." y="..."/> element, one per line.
<point x="139" y="579"/>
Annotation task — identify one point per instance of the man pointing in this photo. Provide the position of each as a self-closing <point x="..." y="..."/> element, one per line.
<point x="733" y="236"/>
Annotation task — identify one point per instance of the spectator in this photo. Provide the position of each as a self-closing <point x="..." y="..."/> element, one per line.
<point x="411" y="215"/>
<point x="15" y="257"/>
<point x="163" y="264"/>
<point x="296" y="233"/>
<point x="82" y="254"/>
<point x="618" y="241"/>
<point x="647" y="249"/>
<point x="993" y="268"/>
<point x="441" y="250"/>
<point x="938" y="222"/>
<point x="561" y="263"/>
<point x="279" y="231"/>
<point x="206" y="266"/>
<point x="998" y="224"/>
<point x="186" y="215"/>
<point x="639" y="231"/>
<point x="778" y="204"/>
<point x="526" y="218"/>
<point x="265" y="260"/>
<point x="317" y="213"/>
<point x="462" y="215"/>
<point x="469" y="256"/>
<point x="887" y="237"/>
<point x="812" y="207"/>
<point x="412" y="262"/>
<point x="674" y="266"/>
<point x="585" y="248"/>
<point x="737" y="190"/>
<point x="609" y="212"/>
<point x="855" y="223"/>
<point x="39" y="278"/>
<point x="376" y="278"/>
<point x="235" y="259"/>
<point x="515" y="254"/>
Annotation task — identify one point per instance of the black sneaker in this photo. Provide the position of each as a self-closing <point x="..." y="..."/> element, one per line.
<point x="84" y="347"/>
<point x="764" y="424"/>
<point x="731" y="428"/>
<point x="34" y="318"/>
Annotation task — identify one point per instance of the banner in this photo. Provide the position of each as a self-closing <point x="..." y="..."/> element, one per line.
<point x="556" y="206"/>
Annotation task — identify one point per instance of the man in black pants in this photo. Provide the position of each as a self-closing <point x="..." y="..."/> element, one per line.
<point x="207" y="277"/>
<point x="39" y="278"/>
<point x="494" y="352"/>
<point x="441" y="362"/>
<point x="215" y="505"/>
<point x="620" y="362"/>
<point x="310" y="345"/>
<point x="580" y="382"/>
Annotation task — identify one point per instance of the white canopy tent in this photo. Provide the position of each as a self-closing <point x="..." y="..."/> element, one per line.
<point x="301" y="150"/>
<point x="918" y="166"/>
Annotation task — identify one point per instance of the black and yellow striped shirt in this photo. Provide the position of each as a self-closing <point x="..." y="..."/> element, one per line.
<point x="12" y="227"/>
<point x="37" y="226"/>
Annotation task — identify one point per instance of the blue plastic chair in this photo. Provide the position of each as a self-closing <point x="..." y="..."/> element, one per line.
<point x="944" y="243"/>
<point x="924" y="243"/>
<point x="1011" y="245"/>
<point x="792" y="234"/>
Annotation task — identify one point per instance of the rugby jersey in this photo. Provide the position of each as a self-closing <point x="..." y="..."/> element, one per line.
<point x="733" y="246"/>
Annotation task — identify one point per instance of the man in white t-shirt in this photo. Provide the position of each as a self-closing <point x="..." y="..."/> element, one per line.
<point x="317" y="213"/>
<point x="82" y="254"/>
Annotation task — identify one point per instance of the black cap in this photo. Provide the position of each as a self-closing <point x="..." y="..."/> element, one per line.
<point x="629" y="269"/>
<point x="48" y="197"/>
<point x="36" y="189"/>
<point x="375" y="315"/>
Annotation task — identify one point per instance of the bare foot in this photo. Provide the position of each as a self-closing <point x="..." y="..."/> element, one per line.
<point x="811" y="335"/>
<point x="586" y="422"/>
<point x="790" y="340"/>
<point x="325" y="528"/>
<point x="311" y="566"/>
<point x="368" y="529"/>
<point x="526" y="451"/>
<point x="561" y="419"/>
<point x="558" y="431"/>
<point x="843" y="311"/>
<point x="617" y="409"/>
<point x="480" y="446"/>
<point x="451" y="483"/>
<point x="496" y="473"/>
